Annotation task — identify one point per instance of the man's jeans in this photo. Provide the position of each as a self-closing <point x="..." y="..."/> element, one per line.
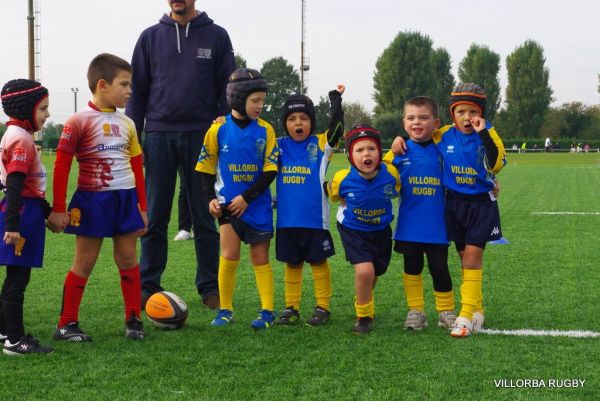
<point x="164" y="152"/>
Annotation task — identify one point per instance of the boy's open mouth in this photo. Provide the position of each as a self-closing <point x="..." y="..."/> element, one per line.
<point x="299" y="131"/>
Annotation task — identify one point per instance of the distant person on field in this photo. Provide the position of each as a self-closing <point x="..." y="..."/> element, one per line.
<point x="23" y="210"/>
<point x="421" y="227"/>
<point x="238" y="162"/>
<point x="110" y="200"/>
<point x="180" y="70"/>
<point x="548" y="144"/>
<point x="523" y="147"/>
<point x="302" y="208"/>
<point x="365" y="191"/>
<point x="184" y="214"/>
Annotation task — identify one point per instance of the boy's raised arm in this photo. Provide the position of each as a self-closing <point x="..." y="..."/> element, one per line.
<point x="336" y="122"/>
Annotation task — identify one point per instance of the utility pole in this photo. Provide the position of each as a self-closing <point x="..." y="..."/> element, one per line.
<point x="304" y="64"/>
<point x="30" y="24"/>
<point x="75" y="90"/>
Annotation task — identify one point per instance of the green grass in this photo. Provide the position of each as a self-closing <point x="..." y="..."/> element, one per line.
<point x="546" y="278"/>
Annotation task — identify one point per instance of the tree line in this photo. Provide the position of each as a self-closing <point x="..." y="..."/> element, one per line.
<point x="411" y="66"/>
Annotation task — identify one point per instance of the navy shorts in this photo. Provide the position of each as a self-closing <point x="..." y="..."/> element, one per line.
<point x="104" y="213"/>
<point x="472" y="219"/>
<point x="248" y="234"/>
<point x="29" y="252"/>
<point x="298" y="245"/>
<point x="410" y="248"/>
<point x="368" y="246"/>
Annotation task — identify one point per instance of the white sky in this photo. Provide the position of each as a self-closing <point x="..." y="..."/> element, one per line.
<point x="343" y="41"/>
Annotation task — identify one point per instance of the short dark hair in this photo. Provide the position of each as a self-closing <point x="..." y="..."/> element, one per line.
<point x="105" y="66"/>
<point x="424" y="101"/>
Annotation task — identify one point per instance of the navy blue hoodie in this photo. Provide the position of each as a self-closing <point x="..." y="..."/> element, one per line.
<point x="179" y="75"/>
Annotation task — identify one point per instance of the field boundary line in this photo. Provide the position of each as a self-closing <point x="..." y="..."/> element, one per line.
<point x="543" y="333"/>
<point x="568" y="213"/>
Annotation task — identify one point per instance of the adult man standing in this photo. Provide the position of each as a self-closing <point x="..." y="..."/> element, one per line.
<point x="180" y="70"/>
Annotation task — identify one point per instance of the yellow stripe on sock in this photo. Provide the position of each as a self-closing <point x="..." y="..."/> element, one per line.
<point x="227" y="270"/>
<point x="322" y="282"/>
<point x="293" y="286"/>
<point x="470" y="292"/>
<point x="265" y="285"/>
<point x="413" y="289"/>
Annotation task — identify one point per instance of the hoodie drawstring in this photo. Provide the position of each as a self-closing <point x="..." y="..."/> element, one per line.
<point x="178" y="39"/>
<point x="187" y="30"/>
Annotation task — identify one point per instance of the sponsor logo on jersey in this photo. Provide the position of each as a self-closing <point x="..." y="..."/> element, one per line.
<point x="204" y="53"/>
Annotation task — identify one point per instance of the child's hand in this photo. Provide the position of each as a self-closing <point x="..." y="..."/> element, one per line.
<point x="214" y="208"/>
<point x="478" y="123"/>
<point x="219" y="120"/>
<point x="341" y="88"/>
<point x="142" y="231"/>
<point x="11" y="237"/>
<point x="238" y="206"/>
<point x="399" y="146"/>
<point x="496" y="190"/>
<point x="57" y="221"/>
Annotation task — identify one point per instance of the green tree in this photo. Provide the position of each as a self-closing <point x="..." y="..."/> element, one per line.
<point x="390" y="126"/>
<point x="481" y="66"/>
<point x="577" y="117"/>
<point x="240" y="62"/>
<point x="2" y="129"/>
<point x="283" y="81"/>
<point x="443" y="85"/>
<point x="409" y="67"/>
<point x="322" y="114"/>
<point x="354" y="113"/>
<point x="528" y="94"/>
<point x="51" y="135"/>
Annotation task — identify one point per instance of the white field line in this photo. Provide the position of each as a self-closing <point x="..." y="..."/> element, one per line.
<point x="543" y="333"/>
<point x="568" y="213"/>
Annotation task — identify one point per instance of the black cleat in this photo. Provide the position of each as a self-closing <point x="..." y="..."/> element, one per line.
<point x="71" y="332"/>
<point x="319" y="317"/>
<point x="26" y="345"/>
<point x="134" y="328"/>
<point x="288" y="317"/>
<point x="363" y="325"/>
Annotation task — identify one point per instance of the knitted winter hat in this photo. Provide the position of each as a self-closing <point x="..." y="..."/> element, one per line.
<point x="20" y="99"/>
<point x="299" y="104"/>
<point x="358" y="133"/>
<point x="242" y="83"/>
<point x="467" y="93"/>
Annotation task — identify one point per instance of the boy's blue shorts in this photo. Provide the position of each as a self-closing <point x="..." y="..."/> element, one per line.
<point x="368" y="246"/>
<point x="472" y="219"/>
<point x="33" y="233"/>
<point x="104" y="213"/>
<point x="298" y="245"/>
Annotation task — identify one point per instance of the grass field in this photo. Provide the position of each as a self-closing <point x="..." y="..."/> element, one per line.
<point x="546" y="278"/>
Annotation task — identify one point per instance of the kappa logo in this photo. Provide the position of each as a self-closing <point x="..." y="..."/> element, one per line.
<point x="495" y="231"/>
<point x="450" y="149"/>
<point x="204" y="53"/>
<point x="326" y="245"/>
<point x="225" y="148"/>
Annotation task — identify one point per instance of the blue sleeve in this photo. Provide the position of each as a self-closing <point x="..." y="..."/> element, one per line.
<point x="225" y="66"/>
<point x="140" y="85"/>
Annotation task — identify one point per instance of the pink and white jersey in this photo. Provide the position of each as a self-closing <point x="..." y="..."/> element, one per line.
<point x="104" y="141"/>
<point x="20" y="155"/>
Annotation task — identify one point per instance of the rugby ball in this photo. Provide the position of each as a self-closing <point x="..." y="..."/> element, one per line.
<point x="166" y="310"/>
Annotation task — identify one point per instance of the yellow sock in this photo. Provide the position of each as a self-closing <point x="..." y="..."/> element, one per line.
<point x="444" y="300"/>
<point x="227" y="269"/>
<point x="265" y="285"/>
<point x="322" y="278"/>
<point x="413" y="289"/>
<point x="293" y="286"/>
<point x="367" y="310"/>
<point x="470" y="292"/>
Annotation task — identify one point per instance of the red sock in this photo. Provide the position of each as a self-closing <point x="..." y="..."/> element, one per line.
<point x="131" y="286"/>
<point x="72" y="294"/>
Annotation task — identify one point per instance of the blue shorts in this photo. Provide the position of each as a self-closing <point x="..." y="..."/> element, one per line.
<point x="472" y="219"/>
<point x="104" y="213"/>
<point x="368" y="246"/>
<point x="246" y="233"/>
<point x="33" y="234"/>
<point x="298" y="245"/>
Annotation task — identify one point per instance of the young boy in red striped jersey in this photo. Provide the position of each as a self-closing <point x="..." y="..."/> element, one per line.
<point x="110" y="200"/>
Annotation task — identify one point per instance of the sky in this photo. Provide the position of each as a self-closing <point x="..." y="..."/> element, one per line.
<point x="344" y="38"/>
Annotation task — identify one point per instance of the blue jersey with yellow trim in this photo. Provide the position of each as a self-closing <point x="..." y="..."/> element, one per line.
<point x="466" y="169"/>
<point x="421" y="216"/>
<point x="301" y="201"/>
<point x="238" y="157"/>
<point x="367" y="204"/>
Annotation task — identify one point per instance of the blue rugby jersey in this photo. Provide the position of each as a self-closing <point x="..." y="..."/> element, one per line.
<point x="301" y="201"/>
<point x="466" y="168"/>
<point x="238" y="157"/>
<point x="367" y="204"/>
<point x="421" y="216"/>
